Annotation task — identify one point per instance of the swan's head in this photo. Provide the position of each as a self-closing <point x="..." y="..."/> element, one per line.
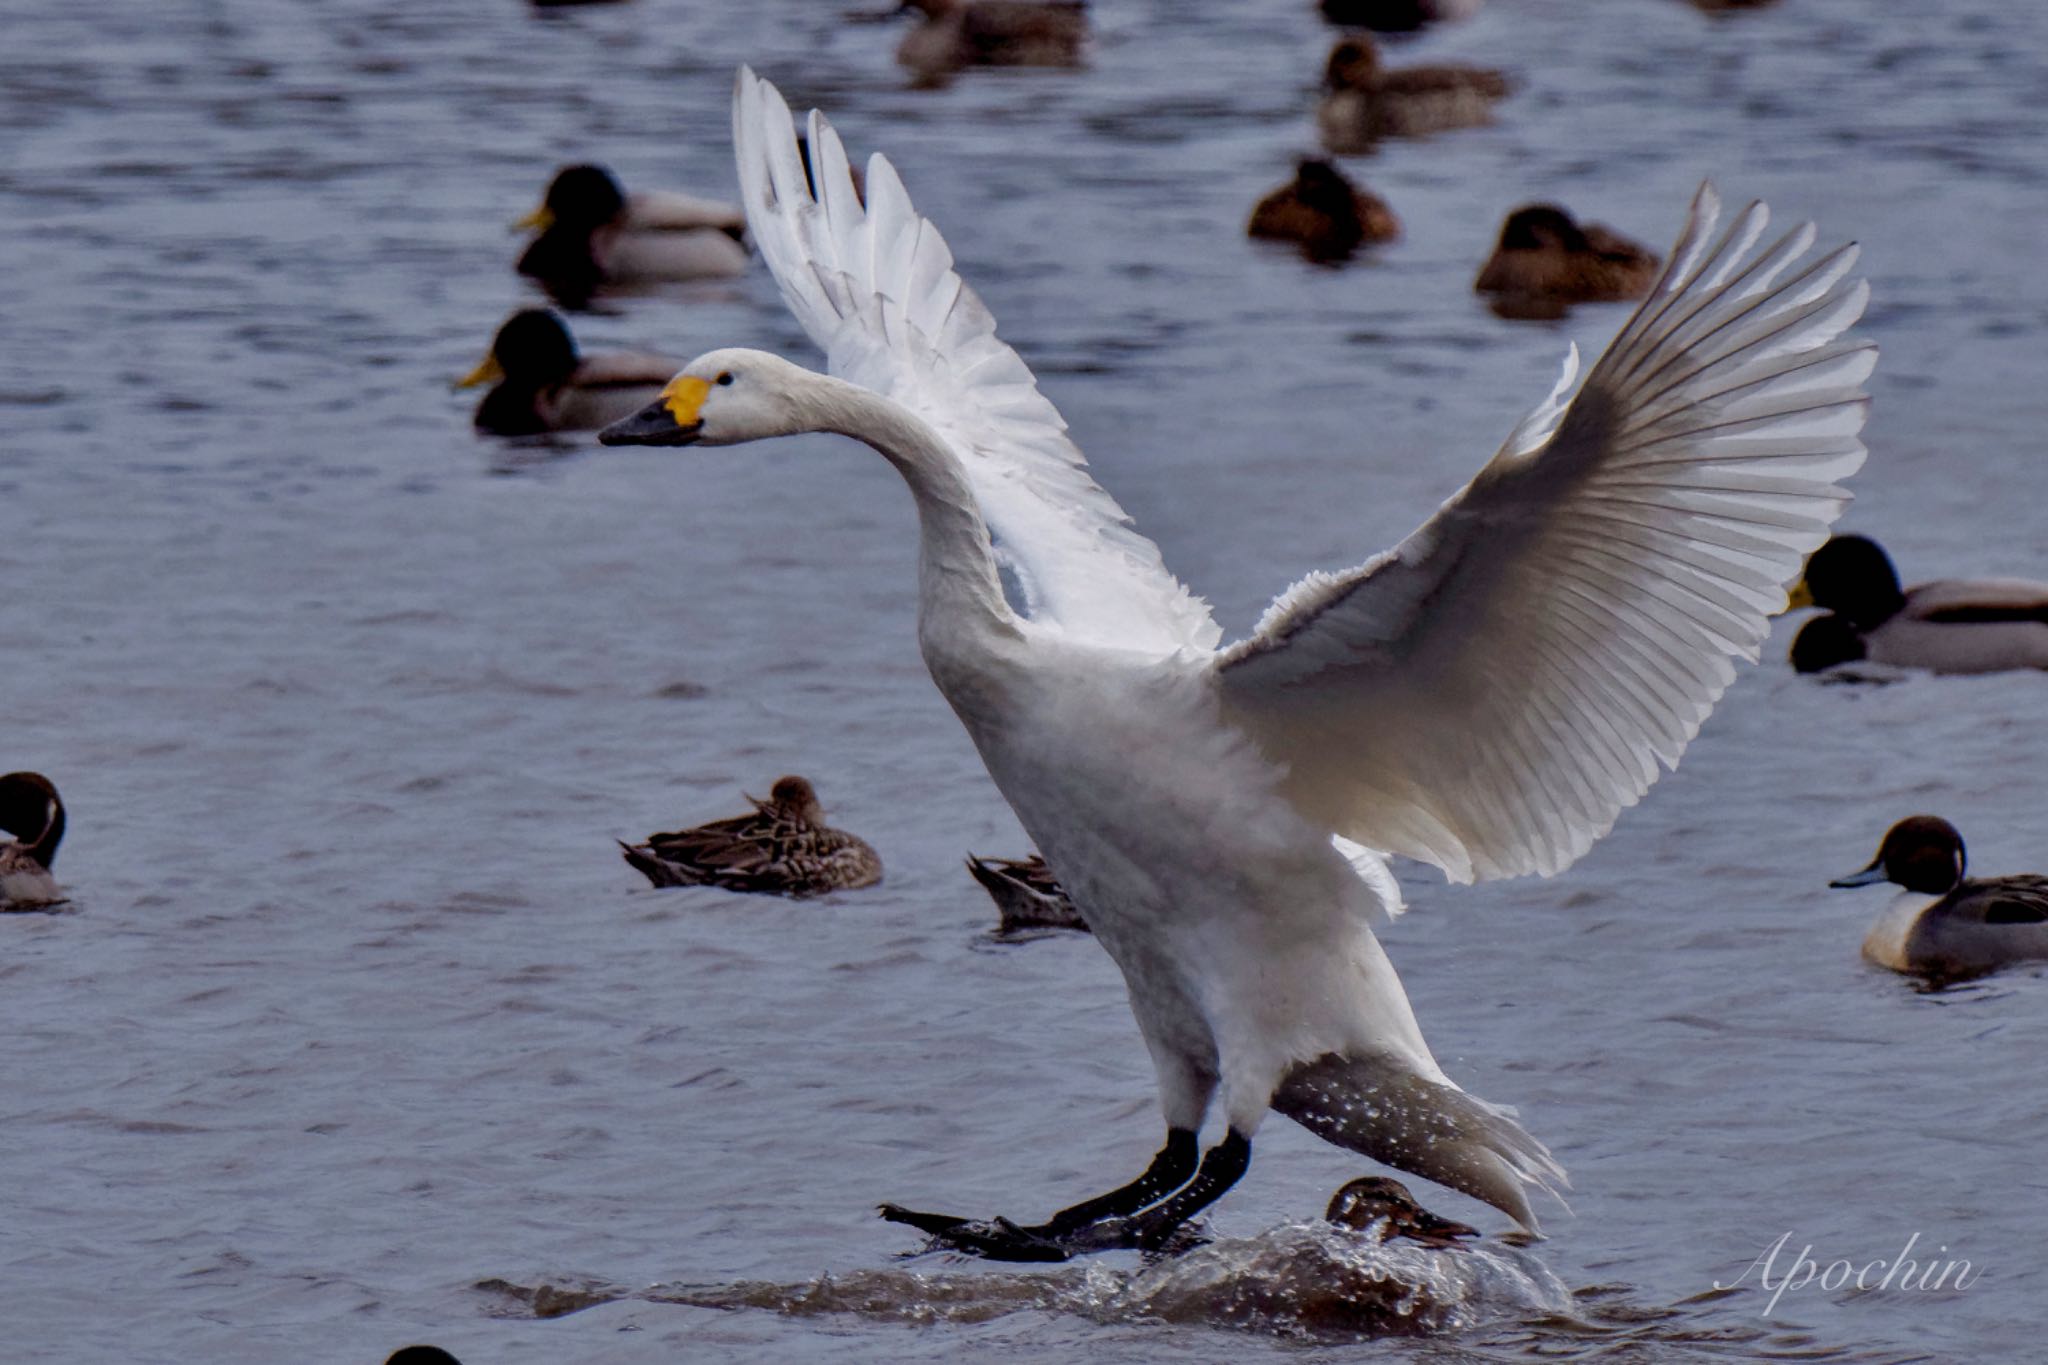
<point x="722" y="398"/>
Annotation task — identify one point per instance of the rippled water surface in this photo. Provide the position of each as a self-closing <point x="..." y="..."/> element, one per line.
<point x="359" y="1010"/>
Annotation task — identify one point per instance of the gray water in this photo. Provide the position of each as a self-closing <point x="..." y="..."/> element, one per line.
<point x="358" y="1010"/>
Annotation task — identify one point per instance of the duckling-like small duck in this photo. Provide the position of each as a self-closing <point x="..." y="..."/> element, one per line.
<point x="1026" y="894"/>
<point x="1941" y="925"/>
<point x="784" y="848"/>
<point x="593" y="235"/>
<point x="1364" y="101"/>
<point x="1396" y="16"/>
<point x="31" y="810"/>
<point x="1323" y="213"/>
<point x="1377" y="1201"/>
<point x="962" y="33"/>
<point x="543" y="384"/>
<point x="1951" y="625"/>
<point x="1545" y="262"/>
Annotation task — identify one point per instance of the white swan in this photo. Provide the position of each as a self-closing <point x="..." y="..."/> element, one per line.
<point x="1487" y="697"/>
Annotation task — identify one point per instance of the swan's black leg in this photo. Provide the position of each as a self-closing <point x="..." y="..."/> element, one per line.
<point x="1000" y="1239"/>
<point x="1149" y="1229"/>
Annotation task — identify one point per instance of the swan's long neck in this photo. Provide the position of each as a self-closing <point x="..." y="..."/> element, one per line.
<point x="958" y="585"/>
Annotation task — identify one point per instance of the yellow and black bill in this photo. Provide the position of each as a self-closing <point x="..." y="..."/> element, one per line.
<point x="670" y="420"/>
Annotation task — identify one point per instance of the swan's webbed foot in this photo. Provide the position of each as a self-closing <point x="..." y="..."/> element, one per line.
<point x="997" y="1239"/>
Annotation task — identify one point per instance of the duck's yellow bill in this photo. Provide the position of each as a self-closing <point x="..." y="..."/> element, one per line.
<point x="490" y="372"/>
<point x="540" y="220"/>
<point x="683" y="396"/>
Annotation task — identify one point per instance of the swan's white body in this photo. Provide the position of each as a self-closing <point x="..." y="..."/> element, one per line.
<point x="1487" y="697"/>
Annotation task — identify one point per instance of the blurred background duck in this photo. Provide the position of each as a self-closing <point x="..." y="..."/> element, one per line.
<point x="592" y="235"/>
<point x="1545" y="262"/>
<point x="1377" y="1201"/>
<point x="784" y="847"/>
<point x="1942" y="925"/>
<point x="31" y="810"/>
<point x="541" y="383"/>
<point x="1396" y="16"/>
<point x="1364" y="101"/>
<point x="1026" y="894"/>
<point x="1950" y="625"/>
<point x="1323" y="213"/>
<point x="963" y="33"/>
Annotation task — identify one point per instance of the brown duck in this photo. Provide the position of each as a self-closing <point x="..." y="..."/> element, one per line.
<point x="1545" y="262"/>
<point x="1363" y="101"/>
<point x="1323" y="213"/>
<point x="31" y="810"/>
<point x="784" y="847"/>
<point x="962" y="33"/>
<point x="1026" y="894"/>
<point x="1375" y="1200"/>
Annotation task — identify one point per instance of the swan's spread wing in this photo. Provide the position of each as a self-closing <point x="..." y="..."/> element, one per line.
<point x="874" y="285"/>
<point x="1492" y="693"/>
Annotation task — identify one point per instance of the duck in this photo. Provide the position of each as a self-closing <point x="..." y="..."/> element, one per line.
<point x="783" y="847"/>
<point x="1943" y="925"/>
<point x="963" y="33"/>
<point x="1396" y="16"/>
<point x="1488" y="698"/>
<point x="593" y="235"/>
<point x="1950" y="625"/>
<point x="420" y="1355"/>
<point x="31" y="810"/>
<point x="1323" y="213"/>
<point x="1026" y="894"/>
<point x="1545" y="262"/>
<point x="541" y="383"/>
<point x="1385" y="1204"/>
<point x="1364" y="101"/>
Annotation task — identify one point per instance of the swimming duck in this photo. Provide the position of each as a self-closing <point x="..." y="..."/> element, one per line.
<point x="1026" y="894"/>
<point x="421" y="1355"/>
<point x="1324" y="213"/>
<point x="1941" y="925"/>
<point x="1396" y="16"/>
<point x="959" y="33"/>
<point x="1545" y="262"/>
<point x="542" y="384"/>
<point x="1951" y="625"/>
<point x="784" y="847"/>
<point x="1377" y="1200"/>
<point x="31" y="811"/>
<point x="1366" y="102"/>
<point x="594" y="234"/>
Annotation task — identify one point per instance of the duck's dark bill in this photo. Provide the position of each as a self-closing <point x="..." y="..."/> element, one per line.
<point x="1869" y="876"/>
<point x="654" y="425"/>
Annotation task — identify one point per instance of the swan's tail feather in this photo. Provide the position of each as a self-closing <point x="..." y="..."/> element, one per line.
<point x="1377" y="1107"/>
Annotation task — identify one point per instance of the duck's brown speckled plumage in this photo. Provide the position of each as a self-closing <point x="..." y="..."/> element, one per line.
<point x="1026" y="894"/>
<point x="31" y="810"/>
<point x="783" y="847"/>
<point x="1378" y="1201"/>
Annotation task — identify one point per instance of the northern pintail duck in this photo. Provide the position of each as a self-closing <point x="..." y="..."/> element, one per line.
<point x="31" y="810"/>
<point x="962" y="33"/>
<point x="542" y="383"/>
<point x="593" y="234"/>
<point x="1026" y="894"/>
<point x="1396" y="16"/>
<point x="1364" y="101"/>
<point x="1323" y="213"/>
<point x="1378" y="1201"/>
<point x="1951" y="625"/>
<point x="783" y="847"/>
<point x="1545" y="262"/>
<point x="1941" y="924"/>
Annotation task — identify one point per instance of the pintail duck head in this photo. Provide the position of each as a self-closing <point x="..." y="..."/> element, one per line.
<point x="1853" y="577"/>
<point x="32" y="812"/>
<point x="1921" y="853"/>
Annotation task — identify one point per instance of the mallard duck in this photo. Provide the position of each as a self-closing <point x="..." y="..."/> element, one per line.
<point x="542" y="384"/>
<point x="1325" y="214"/>
<point x="1376" y="1200"/>
<point x="960" y="33"/>
<point x="1396" y="16"/>
<point x="31" y="810"/>
<point x="1365" y="101"/>
<point x="784" y="847"/>
<point x="1546" y="262"/>
<point x="593" y="234"/>
<point x="1026" y="894"/>
<point x="1951" y="625"/>
<point x="1941" y="925"/>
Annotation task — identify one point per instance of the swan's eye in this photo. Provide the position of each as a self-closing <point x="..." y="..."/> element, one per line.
<point x="725" y="376"/>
